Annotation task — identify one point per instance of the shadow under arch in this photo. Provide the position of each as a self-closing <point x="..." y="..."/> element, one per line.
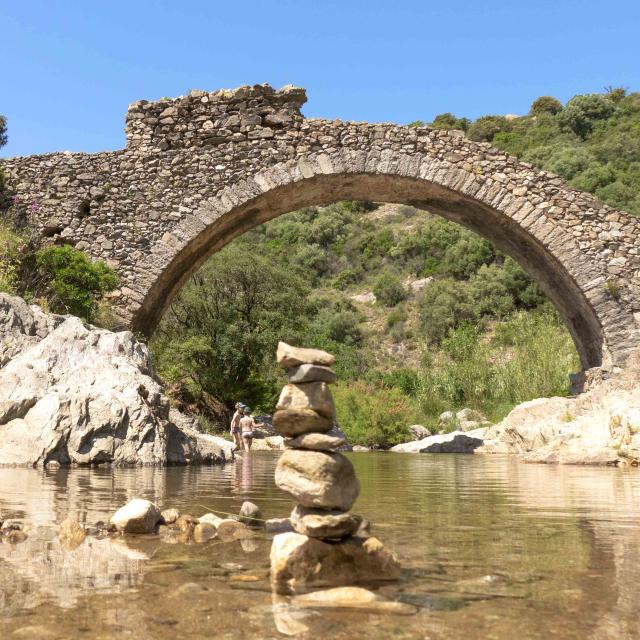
<point x="547" y="263"/>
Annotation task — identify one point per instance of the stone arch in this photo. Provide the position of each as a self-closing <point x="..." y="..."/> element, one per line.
<point x="506" y="213"/>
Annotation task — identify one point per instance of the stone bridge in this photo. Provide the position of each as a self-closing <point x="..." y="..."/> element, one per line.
<point x="199" y="170"/>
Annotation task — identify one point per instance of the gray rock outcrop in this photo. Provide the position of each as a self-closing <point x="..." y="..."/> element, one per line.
<point x="600" y="426"/>
<point x="75" y="394"/>
<point x="454" y="442"/>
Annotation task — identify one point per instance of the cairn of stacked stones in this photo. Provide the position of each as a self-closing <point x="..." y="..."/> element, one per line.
<point x="322" y="481"/>
<point x="323" y="548"/>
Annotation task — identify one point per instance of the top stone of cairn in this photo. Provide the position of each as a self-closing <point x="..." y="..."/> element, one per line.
<point x="289" y="356"/>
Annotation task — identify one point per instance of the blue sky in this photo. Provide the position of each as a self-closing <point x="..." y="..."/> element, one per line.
<point x="69" y="69"/>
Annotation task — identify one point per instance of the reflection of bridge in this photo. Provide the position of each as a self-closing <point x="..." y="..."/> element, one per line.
<point x="200" y="170"/>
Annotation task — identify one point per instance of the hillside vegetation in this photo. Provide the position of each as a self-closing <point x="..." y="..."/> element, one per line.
<point x="454" y="323"/>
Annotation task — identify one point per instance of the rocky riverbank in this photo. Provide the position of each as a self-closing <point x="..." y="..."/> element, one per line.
<point x="75" y="394"/>
<point x="600" y="426"/>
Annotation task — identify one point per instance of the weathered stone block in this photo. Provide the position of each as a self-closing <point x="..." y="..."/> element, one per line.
<point x="299" y="562"/>
<point x="318" y="478"/>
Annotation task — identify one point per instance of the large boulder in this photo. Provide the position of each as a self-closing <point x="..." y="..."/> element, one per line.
<point x="299" y="562"/>
<point x="318" y="479"/>
<point x="600" y="426"/>
<point x="71" y="393"/>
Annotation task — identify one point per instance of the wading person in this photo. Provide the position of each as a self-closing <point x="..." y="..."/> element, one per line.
<point x="247" y="425"/>
<point x="235" y="425"/>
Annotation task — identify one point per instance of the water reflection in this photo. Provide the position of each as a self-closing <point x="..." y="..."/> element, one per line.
<point x="490" y="545"/>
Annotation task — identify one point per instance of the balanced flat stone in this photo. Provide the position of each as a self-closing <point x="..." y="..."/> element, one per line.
<point x="315" y="442"/>
<point x="311" y="373"/>
<point x="318" y="478"/>
<point x="310" y="395"/>
<point x="294" y="422"/>
<point x="289" y="356"/>
<point x="299" y="562"/>
<point x="318" y="523"/>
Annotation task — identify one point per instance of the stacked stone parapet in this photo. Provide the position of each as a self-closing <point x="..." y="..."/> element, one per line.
<point x="208" y="119"/>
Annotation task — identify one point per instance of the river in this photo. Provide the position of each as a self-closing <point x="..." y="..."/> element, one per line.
<point x="491" y="548"/>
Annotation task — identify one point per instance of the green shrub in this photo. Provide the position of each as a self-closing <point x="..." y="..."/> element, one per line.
<point x="583" y="111"/>
<point x="11" y="244"/>
<point x="388" y="290"/>
<point x="545" y="104"/>
<point x="373" y="416"/>
<point x="449" y="121"/>
<point x="444" y="305"/>
<point x="343" y="327"/>
<point x="221" y="333"/>
<point x="485" y="128"/>
<point x="71" y="282"/>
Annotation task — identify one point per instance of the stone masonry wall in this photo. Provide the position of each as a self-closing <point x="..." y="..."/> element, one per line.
<point x="195" y="166"/>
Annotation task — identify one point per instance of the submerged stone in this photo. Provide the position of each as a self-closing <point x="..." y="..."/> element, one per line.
<point x="71" y="533"/>
<point x="353" y="598"/>
<point x="137" y="516"/>
<point x="234" y="530"/>
<point x="298" y="561"/>
<point x="204" y="531"/>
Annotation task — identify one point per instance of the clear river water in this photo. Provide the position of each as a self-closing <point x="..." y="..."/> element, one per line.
<point x="491" y="548"/>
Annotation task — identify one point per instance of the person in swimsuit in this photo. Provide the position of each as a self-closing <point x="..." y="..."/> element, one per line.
<point x="235" y="425"/>
<point x="247" y="425"/>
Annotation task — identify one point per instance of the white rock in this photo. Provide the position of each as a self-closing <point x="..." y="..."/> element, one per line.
<point x="71" y="393"/>
<point x="365" y="298"/>
<point x="137" y="516"/>
<point x="454" y="442"/>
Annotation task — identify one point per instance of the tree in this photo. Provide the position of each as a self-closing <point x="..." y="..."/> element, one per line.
<point x="545" y="104"/>
<point x="583" y="111"/>
<point x="3" y="131"/>
<point x="220" y="334"/>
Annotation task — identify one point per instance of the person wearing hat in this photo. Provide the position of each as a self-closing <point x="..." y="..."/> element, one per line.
<point x="235" y="425"/>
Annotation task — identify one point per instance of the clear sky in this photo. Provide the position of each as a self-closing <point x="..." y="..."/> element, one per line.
<point x="69" y="69"/>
